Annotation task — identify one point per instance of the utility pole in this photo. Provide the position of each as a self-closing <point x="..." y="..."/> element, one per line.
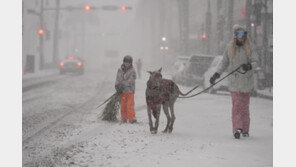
<point x="40" y="33"/>
<point x="56" y="34"/>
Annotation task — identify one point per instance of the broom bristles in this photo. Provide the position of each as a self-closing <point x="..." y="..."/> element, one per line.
<point x="111" y="109"/>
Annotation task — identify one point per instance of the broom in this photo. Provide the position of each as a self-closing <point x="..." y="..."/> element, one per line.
<point x="111" y="109"/>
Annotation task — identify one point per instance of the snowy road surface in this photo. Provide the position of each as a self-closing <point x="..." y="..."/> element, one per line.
<point x="61" y="128"/>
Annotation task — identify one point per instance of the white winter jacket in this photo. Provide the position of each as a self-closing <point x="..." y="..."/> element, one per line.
<point x="238" y="82"/>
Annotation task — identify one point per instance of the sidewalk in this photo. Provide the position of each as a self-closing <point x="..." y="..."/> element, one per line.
<point x="266" y="93"/>
<point x="38" y="74"/>
<point x="33" y="80"/>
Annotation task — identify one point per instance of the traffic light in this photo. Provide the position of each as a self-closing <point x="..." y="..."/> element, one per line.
<point x="203" y="36"/>
<point x="40" y="31"/>
<point x="123" y="7"/>
<point x="243" y="11"/>
<point x="87" y="7"/>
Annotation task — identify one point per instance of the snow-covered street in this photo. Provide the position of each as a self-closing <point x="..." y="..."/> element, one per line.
<point x="61" y="128"/>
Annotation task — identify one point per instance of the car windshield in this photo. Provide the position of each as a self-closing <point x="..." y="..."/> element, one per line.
<point x="182" y="59"/>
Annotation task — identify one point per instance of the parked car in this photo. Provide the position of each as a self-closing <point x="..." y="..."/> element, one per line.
<point x="195" y="68"/>
<point x="178" y="69"/>
<point x="72" y="64"/>
<point x="263" y="79"/>
<point x="222" y="85"/>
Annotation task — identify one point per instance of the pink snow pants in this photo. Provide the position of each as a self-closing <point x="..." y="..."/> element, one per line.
<point x="240" y="111"/>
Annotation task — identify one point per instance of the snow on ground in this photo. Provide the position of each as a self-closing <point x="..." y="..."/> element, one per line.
<point x="202" y="136"/>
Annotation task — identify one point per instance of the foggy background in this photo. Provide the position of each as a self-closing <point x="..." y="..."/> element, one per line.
<point x="100" y="35"/>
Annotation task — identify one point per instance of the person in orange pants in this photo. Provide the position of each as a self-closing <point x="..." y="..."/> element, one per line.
<point x="127" y="106"/>
<point x="125" y="86"/>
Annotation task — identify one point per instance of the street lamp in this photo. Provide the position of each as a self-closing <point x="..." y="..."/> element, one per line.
<point x="163" y="38"/>
<point x="163" y="52"/>
<point x="87" y="7"/>
<point x="41" y="31"/>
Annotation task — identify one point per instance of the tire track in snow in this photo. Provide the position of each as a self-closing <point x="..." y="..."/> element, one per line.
<point x="68" y="113"/>
<point x="29" y="84"/>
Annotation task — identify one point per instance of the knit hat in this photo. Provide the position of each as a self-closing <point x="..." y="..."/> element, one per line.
<point x="128" y="59"/>
<point x="239" y="31"/>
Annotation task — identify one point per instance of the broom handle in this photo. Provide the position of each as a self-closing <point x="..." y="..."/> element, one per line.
<point x="107" y="100"/>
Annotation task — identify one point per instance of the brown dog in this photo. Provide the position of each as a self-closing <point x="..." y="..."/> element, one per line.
<point x="163" y="92"/>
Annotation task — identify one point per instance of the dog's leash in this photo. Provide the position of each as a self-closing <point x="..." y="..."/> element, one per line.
<point x="236" y="70"/>
<point x="106" y="100"/>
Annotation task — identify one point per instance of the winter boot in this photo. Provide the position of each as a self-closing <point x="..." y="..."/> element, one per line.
<point x="246" y="134"/>
<point x="133" y="121"/>
<point x="237" y="133"/>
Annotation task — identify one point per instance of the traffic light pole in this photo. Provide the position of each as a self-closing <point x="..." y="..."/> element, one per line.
<point x="41" y="57"/>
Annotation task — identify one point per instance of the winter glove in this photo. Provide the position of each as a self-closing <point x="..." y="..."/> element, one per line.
<point x="247" y="67"/>
<point x="119" y="88"/>
<point x="214" y="77"/>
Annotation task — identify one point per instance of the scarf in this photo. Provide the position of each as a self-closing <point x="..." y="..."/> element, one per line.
<point x="125" y="69"/>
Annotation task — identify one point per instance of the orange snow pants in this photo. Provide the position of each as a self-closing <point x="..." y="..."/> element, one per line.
<point x="127" y="106"/>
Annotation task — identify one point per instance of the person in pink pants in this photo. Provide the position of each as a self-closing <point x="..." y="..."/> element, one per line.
<point x="239" y="54"/>
<point x="240" y="112"/>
